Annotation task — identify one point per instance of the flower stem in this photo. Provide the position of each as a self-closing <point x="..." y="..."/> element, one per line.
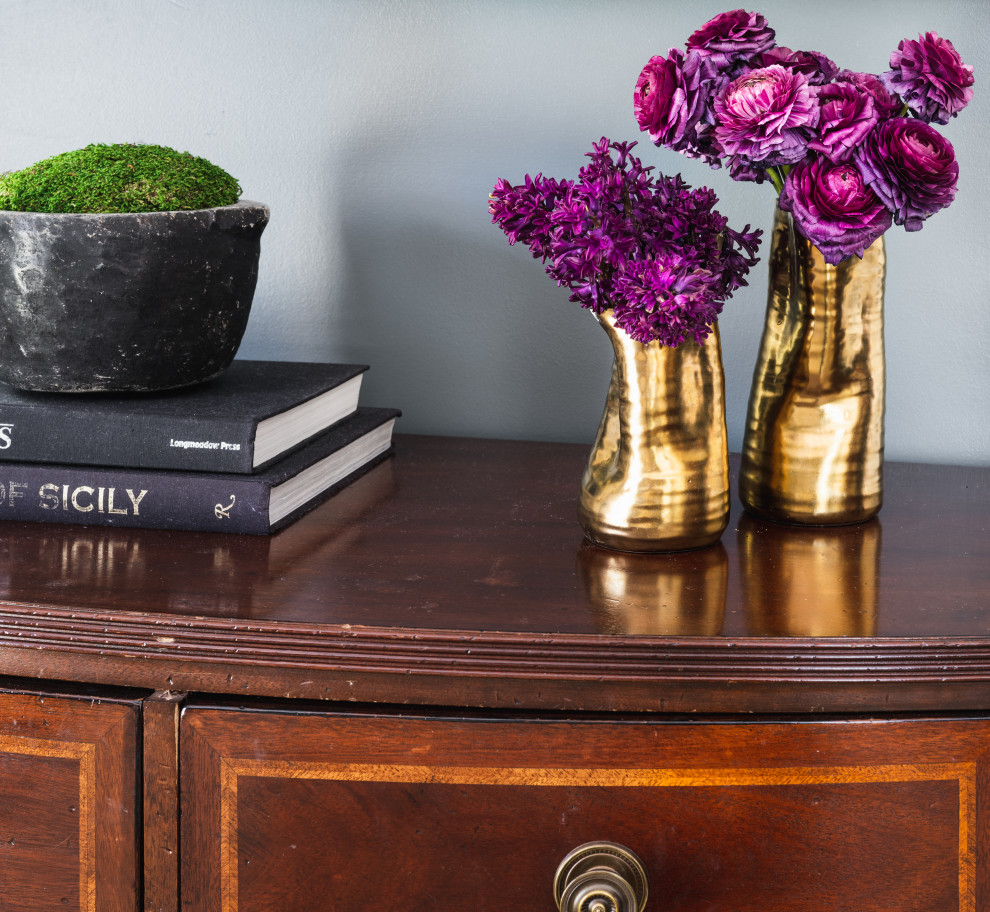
<point x="776" y="178"/>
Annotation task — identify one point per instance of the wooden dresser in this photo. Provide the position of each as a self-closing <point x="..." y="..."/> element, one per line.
<point x="429" y="691"/>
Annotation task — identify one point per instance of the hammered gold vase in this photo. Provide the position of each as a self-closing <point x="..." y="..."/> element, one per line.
<point x="813" y="444"/>
<point x="657" y="477"/>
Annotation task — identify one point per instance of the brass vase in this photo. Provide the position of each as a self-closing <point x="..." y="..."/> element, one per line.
<point x="657" y="477"/>
<point x="813" y="444"/>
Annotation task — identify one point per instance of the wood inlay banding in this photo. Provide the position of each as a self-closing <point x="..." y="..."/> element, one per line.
<point x="232" y="770"/>
<point x="85" y="756"/>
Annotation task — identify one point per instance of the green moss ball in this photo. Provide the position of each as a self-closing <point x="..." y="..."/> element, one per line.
<point x="118" y="178"/>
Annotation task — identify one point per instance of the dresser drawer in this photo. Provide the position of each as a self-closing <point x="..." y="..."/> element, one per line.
<point x="324" y="811"/>
<point x="68" y="803"/>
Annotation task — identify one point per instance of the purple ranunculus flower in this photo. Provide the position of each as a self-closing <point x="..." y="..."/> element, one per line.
<point x="911" y="167"/>
<point x="741" y="169"/>
<point x="929" y="75"/>
<point x="767" y="115"/>
<point x="671" y="103"/>
<point x="847" y="117"/>
<point x="886" y="105"/>
<point x="816" y="66"/>
<point x="834" y="208"/>
<point x="732" y="37"/>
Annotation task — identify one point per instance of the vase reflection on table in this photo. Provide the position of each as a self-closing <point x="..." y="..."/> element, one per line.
<point x="680" y="594"/>
<point x="810" y="581"/>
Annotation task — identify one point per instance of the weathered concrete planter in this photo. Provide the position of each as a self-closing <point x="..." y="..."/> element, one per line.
<point x="125" y="301"/>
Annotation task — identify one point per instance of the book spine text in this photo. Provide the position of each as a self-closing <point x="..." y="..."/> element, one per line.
<point x="167" y="500"/>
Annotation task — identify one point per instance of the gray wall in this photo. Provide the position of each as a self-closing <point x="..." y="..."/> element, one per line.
<point x="375" y="129"/>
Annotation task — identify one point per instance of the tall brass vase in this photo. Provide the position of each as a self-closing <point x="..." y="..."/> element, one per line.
<point x="813" y="443"/>
<point x="657" y="478"/>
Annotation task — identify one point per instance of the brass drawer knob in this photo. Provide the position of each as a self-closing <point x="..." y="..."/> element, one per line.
<point x="600" y="877"/>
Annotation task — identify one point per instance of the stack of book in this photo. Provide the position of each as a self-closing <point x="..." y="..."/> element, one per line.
<point x="249" y="452"/>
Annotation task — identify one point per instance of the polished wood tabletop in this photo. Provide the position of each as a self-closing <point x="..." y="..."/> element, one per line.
<point x="456" y="573"/>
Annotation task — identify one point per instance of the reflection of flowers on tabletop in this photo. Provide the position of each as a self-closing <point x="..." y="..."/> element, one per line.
<point x="849" y="153"/>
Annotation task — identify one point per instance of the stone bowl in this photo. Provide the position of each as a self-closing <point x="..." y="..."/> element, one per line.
<point x="125" y="302"/>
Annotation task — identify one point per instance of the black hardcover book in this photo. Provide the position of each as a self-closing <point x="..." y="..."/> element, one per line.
<point x="245" y="419"/>
<point x="201" y="501"/>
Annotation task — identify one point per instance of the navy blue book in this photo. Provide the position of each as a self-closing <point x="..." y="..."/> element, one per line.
<point x="248" y="417"/>
<point x="257" y="503"/>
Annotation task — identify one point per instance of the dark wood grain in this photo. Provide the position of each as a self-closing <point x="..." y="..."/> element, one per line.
<point x="68" y="803"/>
<point x="160" y="794"/>
<point x="385" y="811"/>
<point x="695" y="707"/>
<point x="456" y="574"/>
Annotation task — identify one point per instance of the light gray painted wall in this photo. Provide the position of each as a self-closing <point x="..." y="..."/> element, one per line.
<point x="375" y="129"/>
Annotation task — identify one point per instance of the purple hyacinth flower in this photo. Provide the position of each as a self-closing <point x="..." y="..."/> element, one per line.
<point x="523" y="212"/>
<point x="834" y="208"/>
<point x="668" y="299"/>
<point x="929" y="75"/>
<point x="847" y="115"/>
<point x="602" y="236"/>
<point x="911" y="167"/>
<point x="733" y="37"/>
<point x="767" y="115"/>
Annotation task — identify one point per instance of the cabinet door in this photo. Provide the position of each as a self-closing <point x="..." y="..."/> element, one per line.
<point x="340" y="812"/>
<point x="68" y="780"/>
